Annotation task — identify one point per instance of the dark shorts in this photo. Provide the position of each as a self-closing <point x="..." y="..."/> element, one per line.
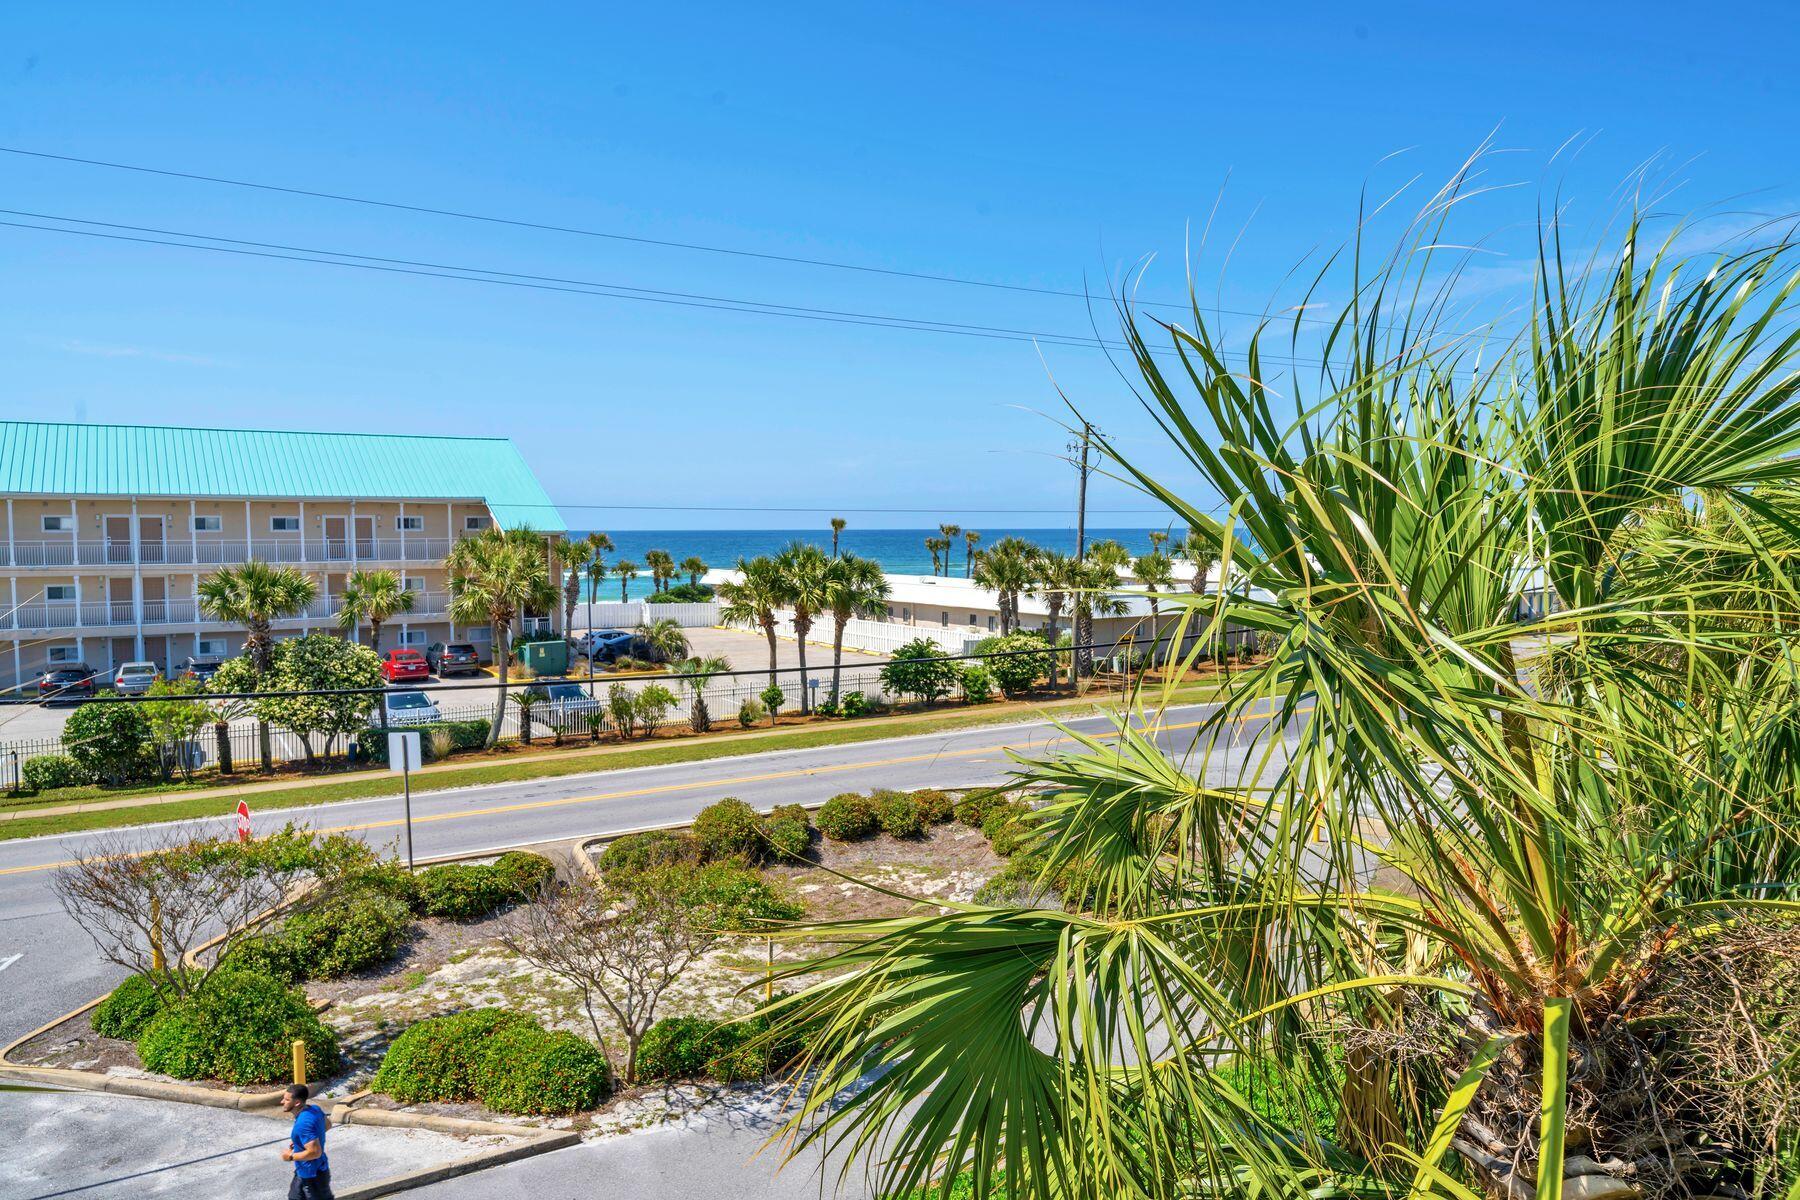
<point x="316" y="1188"/>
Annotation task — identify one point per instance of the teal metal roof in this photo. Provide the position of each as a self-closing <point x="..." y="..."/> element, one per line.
<point x="41" y="458"/>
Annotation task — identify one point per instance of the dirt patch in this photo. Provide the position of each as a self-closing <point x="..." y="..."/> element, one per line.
<point x="949" y="863"/>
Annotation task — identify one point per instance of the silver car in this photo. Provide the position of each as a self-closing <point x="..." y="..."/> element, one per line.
<point x="410" y="706"/>
<point x="135" y="678"/>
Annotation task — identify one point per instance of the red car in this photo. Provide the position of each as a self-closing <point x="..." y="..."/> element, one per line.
<point x="399" y="666"/>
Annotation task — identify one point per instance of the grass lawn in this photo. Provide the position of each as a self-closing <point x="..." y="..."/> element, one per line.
<point x="364" y="785"/>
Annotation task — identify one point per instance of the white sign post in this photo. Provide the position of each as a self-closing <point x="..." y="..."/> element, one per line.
<point x="403" y="750"/>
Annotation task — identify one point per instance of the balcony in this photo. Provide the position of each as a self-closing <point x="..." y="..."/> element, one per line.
<point x="213" y="552"/>
<point x="103" y="614"/>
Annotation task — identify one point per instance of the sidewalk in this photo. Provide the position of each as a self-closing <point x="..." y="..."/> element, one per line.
<point x="93" y="1146"/>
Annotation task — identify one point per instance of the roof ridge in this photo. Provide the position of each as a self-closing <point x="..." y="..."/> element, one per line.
<point x="447" y="437"/>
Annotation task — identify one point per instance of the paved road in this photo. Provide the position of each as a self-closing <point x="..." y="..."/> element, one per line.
<point x="47" y="965"/>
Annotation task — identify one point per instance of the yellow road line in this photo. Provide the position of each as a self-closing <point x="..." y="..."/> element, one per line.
<point x="667" y="788"/>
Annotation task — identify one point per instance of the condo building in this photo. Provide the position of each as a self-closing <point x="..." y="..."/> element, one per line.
<point x="110" y="530"/>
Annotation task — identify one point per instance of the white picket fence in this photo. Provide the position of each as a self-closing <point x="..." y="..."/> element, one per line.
<point x="880" y="637"/>
<point x="634" y="613"/>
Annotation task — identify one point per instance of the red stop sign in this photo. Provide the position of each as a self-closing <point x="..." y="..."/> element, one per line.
<point x="243" y="815"/>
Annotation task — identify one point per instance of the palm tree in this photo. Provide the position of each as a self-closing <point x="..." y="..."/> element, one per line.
<point x="695" y="675"/>
<point x="753" y="600"/>
<point x="1549" y="991"/>
<point x="584" y="558"/>
<point x="1156" y="571"/>
<point x="495" y="577"/>
<point x="1092" y="596"/>
<point x="854" y="587"/>
<point x="1007" y="567"/>
<point x="255" y="595"/>
<point x="663" y="639"/>
<point x="626" y="571"/>
<point x="1157" y="538"/>
<point x="375" y="597"/>
<point x="939" y="548"/>
<point x="837" y="527"/>
<point x="661" y="565"/>
<point x="694" y="567"/>
<point x="949" y="533"/>
<point x="803" y="580"/>
<point x="1200" y="552"/>
<point x="970" y="537"/>
<point x="1055" y="577"/>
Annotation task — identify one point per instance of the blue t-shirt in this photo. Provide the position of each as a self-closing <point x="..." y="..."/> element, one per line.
<point x="309" y="1126"/>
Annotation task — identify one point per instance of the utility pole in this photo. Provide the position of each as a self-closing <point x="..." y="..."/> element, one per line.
<point x="1083" y="663"/>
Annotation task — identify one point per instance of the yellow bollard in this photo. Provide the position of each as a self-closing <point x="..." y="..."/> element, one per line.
<point x="299" y="1061"/>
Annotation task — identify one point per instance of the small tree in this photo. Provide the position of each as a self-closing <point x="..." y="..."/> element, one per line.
<point x="621" y="702"/>
<point x="623" y="947"/>
<point x="107" y="741"/>
<point x="526" y="702"/>
<point x="316" y="662"/>
<point x="661" y="640"/>
<point x="652" y="707"/>
<point x="772" y="700"/>
<point x="696" y="674"/>
<point x="1018" y="661"/>
<point x="174" y="723"/>
<point x="920" y="669"/>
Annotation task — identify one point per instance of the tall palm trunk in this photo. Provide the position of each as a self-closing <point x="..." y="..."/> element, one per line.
<point x="837" y="659"/>
<point x="502" y="668"/>
<point x="259" y="644"/>
<point x="800" y="632"/>
<point x="769" y="631"/>
<point x="375" y="634"/>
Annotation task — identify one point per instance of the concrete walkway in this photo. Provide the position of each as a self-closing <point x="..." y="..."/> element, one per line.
<point x="90" y="1146"/>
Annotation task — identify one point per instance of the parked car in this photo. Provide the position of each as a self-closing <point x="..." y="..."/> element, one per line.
<point x="72" y="681"/>
<point x="604" y="645"/>
<point x="562" y="704"/>
<point x="135" y="678"/>
<point x="403" y="665"/>
<point x="201" y="668"/>
<point x="410" y="706"/>
<point x="458" y="658"/>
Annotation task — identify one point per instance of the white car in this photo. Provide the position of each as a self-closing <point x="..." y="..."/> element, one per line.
<point x="410" y="706"/>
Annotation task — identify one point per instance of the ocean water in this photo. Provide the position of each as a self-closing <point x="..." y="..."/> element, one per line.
<point x="899" y="551"/>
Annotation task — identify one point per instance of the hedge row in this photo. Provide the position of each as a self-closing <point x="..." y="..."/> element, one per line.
<point x="728" y="831"/>
<point x="237" y="1027"/>
<point x="506" y="1061"/>
<point x="728" y="1051"/>
<point x="852" y="816"/>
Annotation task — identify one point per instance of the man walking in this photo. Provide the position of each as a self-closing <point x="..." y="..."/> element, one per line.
<point x="306" y="1146"/>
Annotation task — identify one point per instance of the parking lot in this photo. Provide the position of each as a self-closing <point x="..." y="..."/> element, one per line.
<point x="745" y="651"/>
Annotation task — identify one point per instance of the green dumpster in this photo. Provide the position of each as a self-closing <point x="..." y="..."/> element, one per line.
<point x="546" y="658"/>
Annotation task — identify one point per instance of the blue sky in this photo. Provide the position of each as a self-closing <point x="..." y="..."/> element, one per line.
<point x="1043" y="145"/>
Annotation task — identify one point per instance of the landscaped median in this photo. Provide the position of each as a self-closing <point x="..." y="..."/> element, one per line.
<point x="35" y="818"/>
<point x="612" y="994"/>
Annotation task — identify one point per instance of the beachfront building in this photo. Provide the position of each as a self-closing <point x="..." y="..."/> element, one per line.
<point x="111" y="528"/>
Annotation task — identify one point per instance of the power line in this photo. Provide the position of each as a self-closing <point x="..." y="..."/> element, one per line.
<point x="429" y="210"/>
<point x="840" y="508"/>
<point x="395" y="266"/>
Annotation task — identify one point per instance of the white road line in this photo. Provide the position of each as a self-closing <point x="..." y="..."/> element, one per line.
<point x="7" y="962"/>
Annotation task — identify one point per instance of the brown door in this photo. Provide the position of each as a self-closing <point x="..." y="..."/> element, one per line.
<point x="150" y="539"/>
<point x="337" y="537"/>
<point x="156" y="603"/>
<point x="119" y="610"/>
<point x="118" y="539"/>
<point x="365" y="537"/>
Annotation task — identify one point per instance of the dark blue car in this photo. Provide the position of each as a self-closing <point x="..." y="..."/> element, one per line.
<point x="604" y="645"/>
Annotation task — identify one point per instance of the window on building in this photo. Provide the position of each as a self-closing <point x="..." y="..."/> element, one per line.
<point x="412" y="583"/>
<point x="475" y="524"/>
<point x="63" y="654"/>
<point x="974" y="620"/>
<point x="410" y="524"/>
<point x="208" y="524"/>
<point x="211" y="648"/>
<point x="58" y="524"/>
<point x="284" y="524"/>
<point x="990" y="621"/>
<point x="944" y="620"/>
<point x="59" y="591"/>
<point x="890" y="609"/>
<point x="479" y="634"/>
<point x="412" y="637"/>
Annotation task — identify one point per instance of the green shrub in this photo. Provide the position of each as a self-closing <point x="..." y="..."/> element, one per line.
<point x="791" y="812"/>
<point x="738" y="898"/>
<point x="899" y="815"/>
<point x="461" y="890"/>
<point x="468" y="735"/>
<point x="729" y="828"/>
<point x="919" y="668"/>
<point x="854" y="704"/>
<point x="772" y="698"/>
<point x="351" y="932"/>
<point x="45" y="772"/>
<point x="434" y="1060"/>
<point x="1021" y="882"/>
<point x="847" y="817"/>
<point x="973" y="808"/>
<point x="677" y="1048"/>
<point x="788" y="839"/>
<point x="935" y="807"/>
<point x="999" y="816"/>
<point x="1014" y="837"/>
<point x="1017" y="661"/>
<point x="131" y="1006"/>
<point x="977" y="684"/>
<point x="524" y="874"/>
<point x="268" y="954"/>
<point x="651" y="708"/>
<point x="750" y="712"/>
<point x="108" y="741"/>
<point x="392" y="880"/>
<point x="527" y="1069"/>
<point x="237" y="1028"/>
<point x="652" y="848"/>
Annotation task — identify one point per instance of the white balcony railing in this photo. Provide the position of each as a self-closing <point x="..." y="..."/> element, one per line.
<point x="206" y="552"/>
<point x="182" y="610"/>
